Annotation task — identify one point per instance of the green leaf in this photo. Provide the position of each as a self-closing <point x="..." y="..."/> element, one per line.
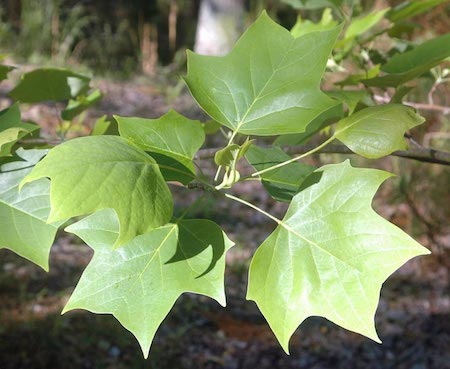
<point x="172" y="136"/>
<point x="140" y="282"/>
<point x="75" y="107"/>
<point x="360" y="25"/>
<point x="324" y="120"/>
<point x="312" y="4"/>
<point x="93" y="173"/>
<point x="104" y="126"/>
<point x="4" y="70"/>
<point x="302" y="27"/>
<point x="411" y="64"/>
<point x="12" y="129"/>
<point x="377" y="131"/>
<point x="210" y="127"/>
<point x="282" y="183"/>
<point x="23" y="227"/>
<point x="49" y="84"/>
<point x="356" y="78"/>
<point x="349" y="98"/>
<point x="409" y="9"/>
<point x="269" y="84"/>
<point x="329" y="256"/>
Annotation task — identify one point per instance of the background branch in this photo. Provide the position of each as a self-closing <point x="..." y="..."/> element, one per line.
<point x="422" y="154"/>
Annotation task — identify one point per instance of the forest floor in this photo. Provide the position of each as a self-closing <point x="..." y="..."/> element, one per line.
<point x="413" y="318"/>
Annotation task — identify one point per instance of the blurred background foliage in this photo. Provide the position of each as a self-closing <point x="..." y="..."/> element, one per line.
<point x="115" y="38"/>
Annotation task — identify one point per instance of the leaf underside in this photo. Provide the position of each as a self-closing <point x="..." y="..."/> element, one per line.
<point x="23" y="215"/>
<point x="320" y="260"/>
<point x="141" y="281"/>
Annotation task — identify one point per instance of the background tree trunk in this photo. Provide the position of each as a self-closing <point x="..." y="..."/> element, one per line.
<point x="220" y="24"/>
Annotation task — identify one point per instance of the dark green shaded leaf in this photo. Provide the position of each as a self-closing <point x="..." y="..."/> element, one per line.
<point x="49" y="84"/>
<point x="282" y="183"/>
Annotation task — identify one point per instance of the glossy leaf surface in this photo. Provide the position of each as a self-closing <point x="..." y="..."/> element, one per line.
<point x="140" y="282"/>
<point x="93" y="173"/>
<point x="320" y="260"/>
<point x="268" y="84"/>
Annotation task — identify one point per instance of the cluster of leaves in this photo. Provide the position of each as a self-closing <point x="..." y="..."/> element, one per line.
<point x="330" y="253"/>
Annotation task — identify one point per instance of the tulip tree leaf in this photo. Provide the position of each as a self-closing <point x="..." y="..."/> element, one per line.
<point x="171" y="136"/>
<point x="49" y="84"/>
<point x="329" y="256"/>
<point x="12" y="129"/>
<point x="23" y="215"/>
<point x="268" y="84"/>
<point x="93" y="173"/>
<point x="377" y="131"/>
<point x="140" y="282"/>
<point x="282" y="183"/>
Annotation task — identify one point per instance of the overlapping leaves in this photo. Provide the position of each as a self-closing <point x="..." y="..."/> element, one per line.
<point x="23" y="215"/>
<point x="94" y="173"/>
<point x="140" y="282"/>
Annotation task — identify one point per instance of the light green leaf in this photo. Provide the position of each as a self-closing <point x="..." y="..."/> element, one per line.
<point x="282" y="183"/>
<point x="77" y="106"/>
<point x="329" y="256"/>
<point x="269" y="84"/>
<point x="409" y="9"/>
<point x="302" y="27"/>
<point x="104" y="126"/>
<point x="171" y="136"/>
<point x="12" y="129"/>
<point x="360" y="25"/>
<point x="377" y="131"/>
<point x="411" y="64"/>
<point x="23" y="227"/>
<point x="140" y="282"/>
<point x="49" y="84"/>
<point x="312" y="4"/>
<point x="93" y="173"/>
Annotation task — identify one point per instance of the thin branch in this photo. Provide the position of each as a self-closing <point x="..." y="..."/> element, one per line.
<point x="419" y="106"/>
<point x="422" y="154"/>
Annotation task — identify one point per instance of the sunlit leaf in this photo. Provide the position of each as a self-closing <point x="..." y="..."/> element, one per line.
<point x="377" y="131"/>
<point x="140" y="282"/>
<point x="269" y="84"/>
<point x="23" y="215"/>
<point x="329" y="256"/>
<point x="93" y="173"/>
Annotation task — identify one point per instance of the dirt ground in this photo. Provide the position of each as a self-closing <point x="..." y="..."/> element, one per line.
<point x="413" y="318"/>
